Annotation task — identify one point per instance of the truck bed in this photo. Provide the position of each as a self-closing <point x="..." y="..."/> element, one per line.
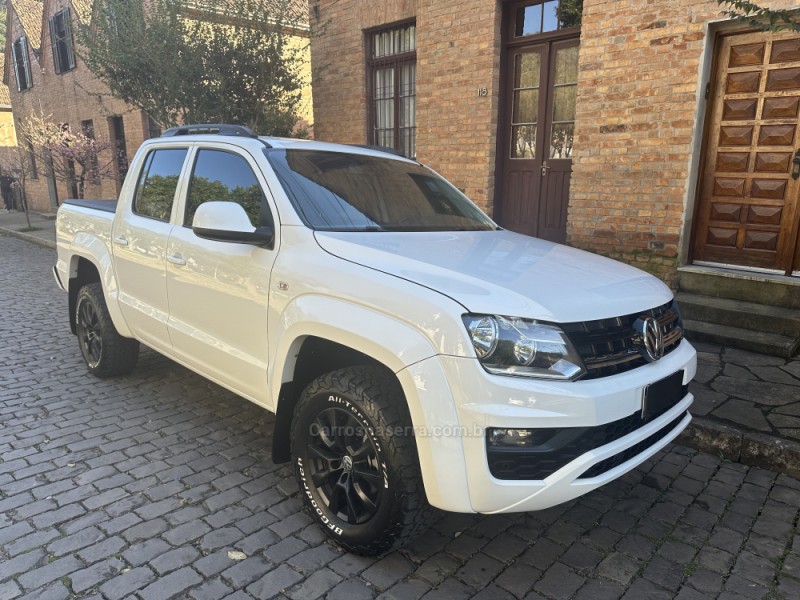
<point x="104" y="205"/>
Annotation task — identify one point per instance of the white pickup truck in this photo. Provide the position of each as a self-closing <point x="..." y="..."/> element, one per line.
<point x="414" y="353"/>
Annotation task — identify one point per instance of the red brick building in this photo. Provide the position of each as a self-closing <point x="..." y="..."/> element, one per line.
<point x="655" y="131"/>
<point x="45" y="76"/>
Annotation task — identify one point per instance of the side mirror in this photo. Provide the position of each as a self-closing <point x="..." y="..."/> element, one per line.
<point x="228" y="222"/>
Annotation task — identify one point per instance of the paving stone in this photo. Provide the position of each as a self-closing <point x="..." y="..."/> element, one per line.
<point x="102" y="571"/>
<point x="273" y="583"/>
<point x="388" y="571"/>
<point x="50" y="572"/>
<point x="518" y="579"/>
<point x="174" y="559"/>
<point x="186" y="532"/>
<point x="127" y="583"/>
<point x="246" y="571"/>
<point x="140" y="553"/>
<point x="213" y="589"/>
<point x="226" y="536"/>
<point x="171" y="585"/>
<point x="559" y="582"/>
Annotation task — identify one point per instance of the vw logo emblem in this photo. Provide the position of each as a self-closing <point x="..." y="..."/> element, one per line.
<point x="347" y="464"/>
<point x="649" y="339"/>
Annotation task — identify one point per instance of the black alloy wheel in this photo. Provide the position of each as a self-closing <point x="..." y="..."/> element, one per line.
<point x="344" y="466"/>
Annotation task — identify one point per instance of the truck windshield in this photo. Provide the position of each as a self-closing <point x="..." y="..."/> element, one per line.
<point x="337" y="191"/>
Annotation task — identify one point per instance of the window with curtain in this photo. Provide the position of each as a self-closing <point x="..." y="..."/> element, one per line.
<point x="392" y="55"/>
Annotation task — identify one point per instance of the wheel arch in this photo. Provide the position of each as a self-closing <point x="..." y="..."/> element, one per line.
<point x="91" y="261"/>
<point x="311" y="356"/>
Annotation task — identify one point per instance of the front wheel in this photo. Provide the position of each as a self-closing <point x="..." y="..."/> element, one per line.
<point x="356" y="460"/>
<point x="104" y="350"/>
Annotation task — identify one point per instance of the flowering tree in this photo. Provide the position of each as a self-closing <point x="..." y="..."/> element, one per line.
<point x="74" y="157"/>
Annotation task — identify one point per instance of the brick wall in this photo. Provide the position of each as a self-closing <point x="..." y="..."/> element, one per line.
<point x="69" y="97"/>
<point x="636" y="117"/>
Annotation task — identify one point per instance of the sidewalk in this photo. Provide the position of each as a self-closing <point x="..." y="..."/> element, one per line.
<point x="746" y="409"/>
<point x="44" y="226"/>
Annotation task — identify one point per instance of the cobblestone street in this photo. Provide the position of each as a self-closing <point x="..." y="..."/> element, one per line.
<point x="160" y="485"/>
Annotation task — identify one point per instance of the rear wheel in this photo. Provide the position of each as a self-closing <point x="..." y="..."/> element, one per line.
<point x="104" y="350"/>
<point x="356" y="460"/>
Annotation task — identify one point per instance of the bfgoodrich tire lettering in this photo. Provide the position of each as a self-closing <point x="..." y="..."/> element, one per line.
<point x="358" y="474"/>
<point x="105" y="351"/>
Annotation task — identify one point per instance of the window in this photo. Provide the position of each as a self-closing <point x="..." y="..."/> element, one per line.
<point x="155" y="191"/>
<point x="393" y="94"/>
<point x="551" y="15"/>
<point x="222" y="176"/>
<point x="61" y="40"/>
<point x="22" y="65"/>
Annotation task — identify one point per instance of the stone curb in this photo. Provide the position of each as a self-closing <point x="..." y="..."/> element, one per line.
<point x="28" y="237"/>
<point x="750" y="448"/>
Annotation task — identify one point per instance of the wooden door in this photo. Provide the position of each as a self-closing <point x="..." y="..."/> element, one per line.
<point x="536" y="127"/>
<point x="748" y="209"/>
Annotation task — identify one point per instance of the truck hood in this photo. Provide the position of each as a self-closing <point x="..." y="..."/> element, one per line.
<point x="505" y="273"/>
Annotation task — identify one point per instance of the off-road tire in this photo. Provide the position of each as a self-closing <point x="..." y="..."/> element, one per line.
<point x="104" y="350"/>
<point x="372" y="398"/>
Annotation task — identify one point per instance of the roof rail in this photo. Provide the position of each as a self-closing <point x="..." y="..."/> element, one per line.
<point x="211" y="128"/>
<point x="377" y="148"/>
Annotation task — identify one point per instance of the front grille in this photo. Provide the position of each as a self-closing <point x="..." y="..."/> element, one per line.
<point x="565" y="446"/>
<point x="629" y="453"/>
<point x="608" y="346"/>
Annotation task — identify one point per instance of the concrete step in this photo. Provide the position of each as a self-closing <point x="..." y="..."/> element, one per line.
<point x="746" y="315"/>
<point x="774" y="290"/>
<point x="736" y="337"/>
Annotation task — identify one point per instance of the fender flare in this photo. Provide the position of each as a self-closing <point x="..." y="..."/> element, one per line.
<point x="93" y="249"/>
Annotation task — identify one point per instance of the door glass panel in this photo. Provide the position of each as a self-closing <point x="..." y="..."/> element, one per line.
<point x="523" y="141"/>
<point x="564" y="103"/>
<point x="158" y="181"/>
<point x="526" y="105"/>
<point x="222" y="176"/>
<point x="526" y="70"/>
<point x="564" y="93"/>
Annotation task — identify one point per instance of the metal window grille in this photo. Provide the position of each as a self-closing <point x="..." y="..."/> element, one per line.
<point x="393" y="88"/>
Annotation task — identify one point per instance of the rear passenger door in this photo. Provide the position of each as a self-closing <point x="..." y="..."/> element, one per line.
<point x="139" y="240"/>
<point x="218" y="291"/>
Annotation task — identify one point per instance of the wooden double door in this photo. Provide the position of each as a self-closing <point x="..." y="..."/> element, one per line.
<point x="748" y="210"/>
<point x="537" y="123"/>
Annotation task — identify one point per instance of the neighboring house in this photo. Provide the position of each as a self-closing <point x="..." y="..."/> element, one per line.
<point x="46" y="76"/>
<point x="654" y="131"/>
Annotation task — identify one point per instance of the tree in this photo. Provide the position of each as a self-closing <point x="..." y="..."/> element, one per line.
<point x="762" y="18"/>
<point x="73" y="156"/>
<point x="235" y="61"/>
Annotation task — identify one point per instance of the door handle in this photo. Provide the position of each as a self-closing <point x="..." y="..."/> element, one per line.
<point x="545" y="168"/>
<point x="121" y="241"/>
<point x="176" y="259"/>
<point x="796" y="166"/>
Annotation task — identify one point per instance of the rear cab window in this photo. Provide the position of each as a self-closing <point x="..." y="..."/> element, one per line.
<point x="157" y="183"/>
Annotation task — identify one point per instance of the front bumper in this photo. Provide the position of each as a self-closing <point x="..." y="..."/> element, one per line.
<point x="483" y="400"/>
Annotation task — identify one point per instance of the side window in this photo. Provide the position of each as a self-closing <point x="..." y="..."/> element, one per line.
<point x="158" y="181"/>
<point x="222" y="176"/>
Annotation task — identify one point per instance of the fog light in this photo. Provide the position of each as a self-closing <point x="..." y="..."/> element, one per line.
<point x="518" y="438"/>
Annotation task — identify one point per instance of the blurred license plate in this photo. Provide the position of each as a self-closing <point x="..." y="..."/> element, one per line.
<point x="662" y="395"/>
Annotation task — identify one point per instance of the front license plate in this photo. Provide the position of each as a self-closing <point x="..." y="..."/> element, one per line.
<point x="662" y="395"/>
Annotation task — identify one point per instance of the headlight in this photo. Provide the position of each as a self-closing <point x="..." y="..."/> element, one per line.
<point x="512" y="346"/>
